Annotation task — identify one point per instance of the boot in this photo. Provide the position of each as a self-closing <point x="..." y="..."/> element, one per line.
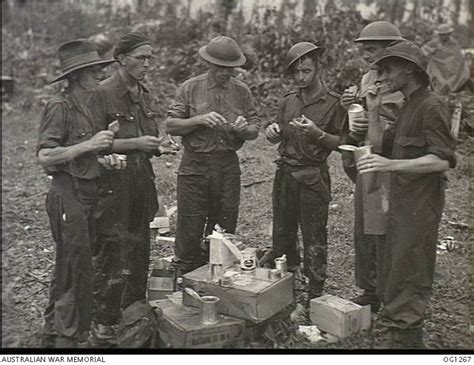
<point x="103" y="336"/>
<point x="399" y="339"/>
<point x="62" y="342"/>
<point x="389" y="339"/>
<point x="368" y="298"/>
<point x="411" y="338"/>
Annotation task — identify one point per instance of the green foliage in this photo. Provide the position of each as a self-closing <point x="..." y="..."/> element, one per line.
<point x="30" y="42"/>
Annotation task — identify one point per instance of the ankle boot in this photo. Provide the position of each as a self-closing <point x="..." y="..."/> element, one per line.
<point x="411" y="338"/>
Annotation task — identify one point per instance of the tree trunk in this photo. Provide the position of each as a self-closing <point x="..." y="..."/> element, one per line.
<point x="456" y="12"/>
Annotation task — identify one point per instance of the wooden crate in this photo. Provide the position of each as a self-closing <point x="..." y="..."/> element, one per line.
<point x="338" y="316"/>
<point x="179" y="327"/>
<point x="256" y="300"/>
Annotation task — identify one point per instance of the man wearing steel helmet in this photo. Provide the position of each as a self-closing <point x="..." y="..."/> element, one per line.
<point x="420" y="147"/>
<point x="214" y="113"/>
<point x="447" y="66"/>
<point x="128" y="200"/>
<point x="307" y="127"/>
<point x="68" y="147"/>
<point x="370" y="208"/>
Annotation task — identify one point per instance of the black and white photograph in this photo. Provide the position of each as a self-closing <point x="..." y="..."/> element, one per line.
<point x="237" y="177"/>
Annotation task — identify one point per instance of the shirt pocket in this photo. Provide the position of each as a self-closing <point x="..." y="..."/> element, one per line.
<point x="127" y="122"/>
<point x="149" y="123"/>
<point x="79" y="135"/>
<point x="412" y="147"/>
<point x="199" y="108"/>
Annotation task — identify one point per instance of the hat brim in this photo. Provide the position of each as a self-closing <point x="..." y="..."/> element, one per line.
<point x="444" y="32"/>
<point x="318" y="49"/>
<point x="385" y="57"/>
<point x="203" y="53"/>
<point x="378" y="39"/>
<point x="102" y="63"/>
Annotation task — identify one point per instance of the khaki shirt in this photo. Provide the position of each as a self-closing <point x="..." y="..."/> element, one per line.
<point x="66" y="122"/>
<point x="201" y="95"/>
<point x="114" y="101"/>
<point x="324" y="110"/>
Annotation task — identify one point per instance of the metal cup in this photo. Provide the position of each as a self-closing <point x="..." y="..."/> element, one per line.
<point x="209" y="310"/>
<point x="362" y="151"/>
<point x="282" y="265"/>
<point x="368" y="179"/>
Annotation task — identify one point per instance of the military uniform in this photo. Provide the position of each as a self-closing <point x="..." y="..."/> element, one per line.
<point x="128" y="202"/>
<point x="209" y="173"/>
<point x="371" y="206"/>
<point x="416" y="205"/>
<point x="70" y="203"/>
<point x="302" y="189"/>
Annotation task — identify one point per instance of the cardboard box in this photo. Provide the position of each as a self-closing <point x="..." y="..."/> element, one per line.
<point x="250" y="299"/>
<point x="179" y="327"/>
<point x="338" y="316"/>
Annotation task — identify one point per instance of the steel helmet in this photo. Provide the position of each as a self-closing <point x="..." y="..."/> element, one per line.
<point x="223" y="51"/>
<point x="407" y="51"/>
<point x="444" y="29"/>
<point x="379" y="31"/>
<point x="299" y="50"/>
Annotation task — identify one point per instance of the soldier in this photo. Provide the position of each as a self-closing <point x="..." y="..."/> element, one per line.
<point x="307" y="127"/>
<point x="128" y="200"/>
<point x="420" y="148"/>
<point x="370" y="208"/>
<point x="447" y="66"/>
<point x="67" y="149"/>
<point x="214" y="113"/>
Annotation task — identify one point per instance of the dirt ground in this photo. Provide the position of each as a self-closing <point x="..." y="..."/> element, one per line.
<point x="28" y="250"/>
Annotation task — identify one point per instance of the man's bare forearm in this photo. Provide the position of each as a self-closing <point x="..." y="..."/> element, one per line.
<point x="59" y="155"/>
<point x="181" y="127"/>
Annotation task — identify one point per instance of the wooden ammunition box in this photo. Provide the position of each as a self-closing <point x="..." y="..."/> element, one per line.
<point x="180" y="327"/>
<point x="338" y="316"/>
<point x="251" y="299"/>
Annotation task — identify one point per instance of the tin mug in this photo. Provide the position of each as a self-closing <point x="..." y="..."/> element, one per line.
<point x="209" y="309"/>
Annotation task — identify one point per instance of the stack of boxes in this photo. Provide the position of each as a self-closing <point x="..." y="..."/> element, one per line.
<point x="251" y="295"/>
<point x="248" y="295"/>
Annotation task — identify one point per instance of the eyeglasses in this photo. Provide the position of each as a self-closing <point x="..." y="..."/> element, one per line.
<point x="143" y="58"/>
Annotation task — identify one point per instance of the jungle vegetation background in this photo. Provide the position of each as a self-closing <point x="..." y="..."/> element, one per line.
<point x="31" y="33"/>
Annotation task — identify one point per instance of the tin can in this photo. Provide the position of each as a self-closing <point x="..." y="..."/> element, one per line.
<point x="209" y="310"/>
<point x="248" y="262"/>
<point x="282" y="265"/>
<point x="274" y="274"/>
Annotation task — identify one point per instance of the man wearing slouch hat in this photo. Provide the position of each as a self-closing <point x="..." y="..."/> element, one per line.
<point x="68" y="147"/>
<point x="128" y="198"/>
<point x="214" y="113"/>
<point x="419" y="149"/>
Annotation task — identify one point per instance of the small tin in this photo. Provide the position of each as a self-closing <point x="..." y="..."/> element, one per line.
<point x="228" y="278"/>
<point x="248" y="262"/>
<point x="274" y="274"/>
<point x="281" y="264"/>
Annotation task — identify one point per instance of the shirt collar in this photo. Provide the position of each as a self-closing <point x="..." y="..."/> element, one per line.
<point x="321" y="96"/>
<point x="122" y="86"/>
<point x="212" y="83"/>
